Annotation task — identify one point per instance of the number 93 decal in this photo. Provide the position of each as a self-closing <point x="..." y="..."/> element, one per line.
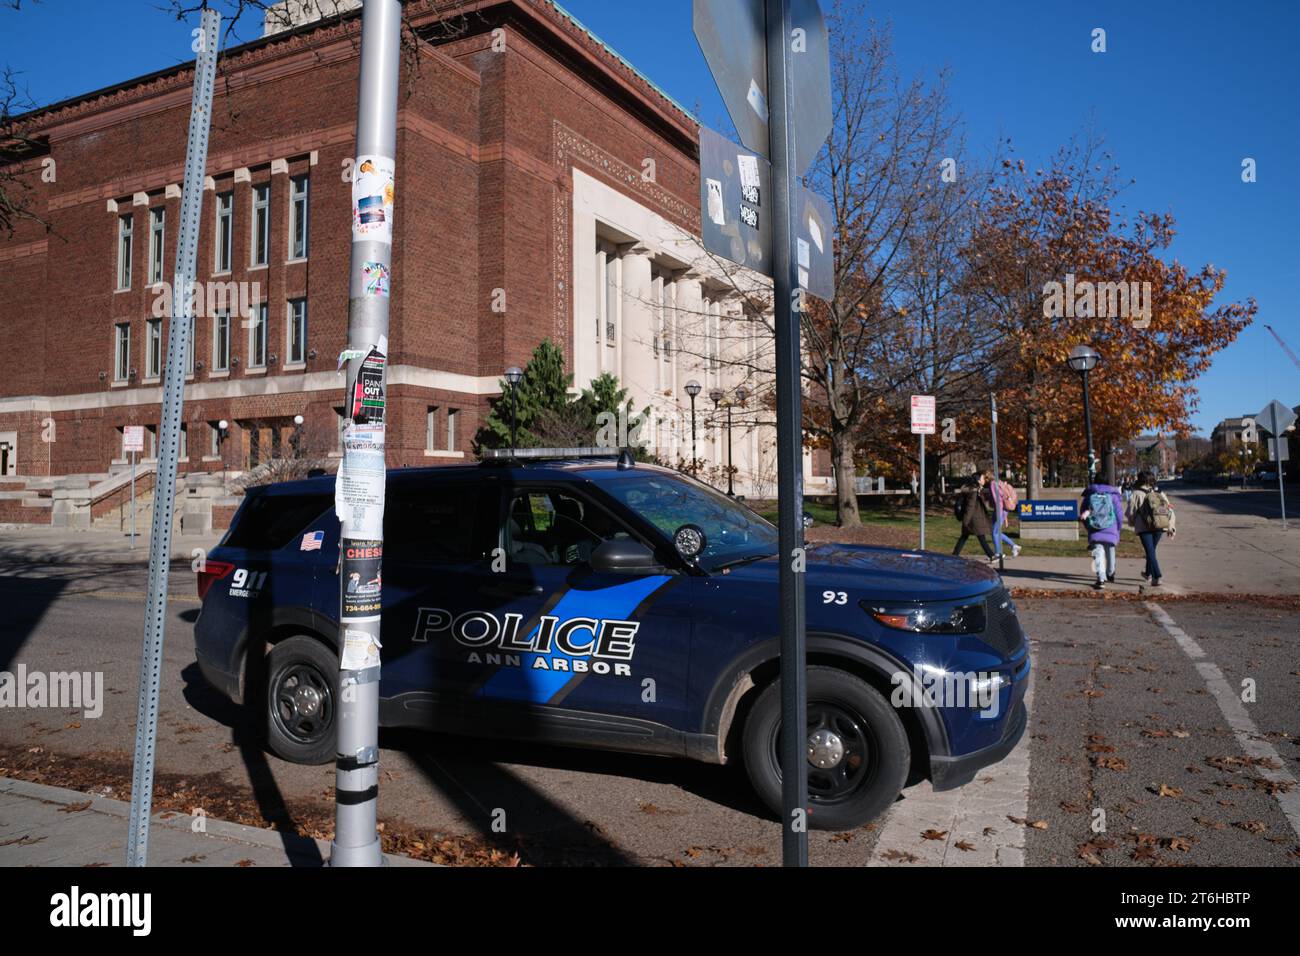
<point x="835" y="597"/>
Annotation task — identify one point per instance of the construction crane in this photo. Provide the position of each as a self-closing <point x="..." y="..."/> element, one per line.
<point x="1285" y="348"/>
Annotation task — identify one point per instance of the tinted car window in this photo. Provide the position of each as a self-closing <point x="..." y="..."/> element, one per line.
<point x="548" y="526"/>
<point x="269" y="522"/>
<point x="440" y="524"/>
<point x="732" y="532"/>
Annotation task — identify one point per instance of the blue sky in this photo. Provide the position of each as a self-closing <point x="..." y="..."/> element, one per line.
<point x="1185" y="91"/>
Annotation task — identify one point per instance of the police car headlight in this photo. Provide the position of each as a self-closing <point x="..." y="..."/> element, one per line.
<point x="948" y="617"/>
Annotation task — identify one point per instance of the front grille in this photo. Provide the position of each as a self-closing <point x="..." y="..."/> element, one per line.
<point x="1003" y="632"/>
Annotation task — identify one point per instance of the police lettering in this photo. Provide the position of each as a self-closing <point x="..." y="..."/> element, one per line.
<point x="577" y="637"/>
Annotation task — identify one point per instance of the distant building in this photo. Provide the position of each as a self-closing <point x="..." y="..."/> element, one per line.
<point x="1231" y="433"/>
<point x="1156" y="453"/>
<point x="535" y="167"/>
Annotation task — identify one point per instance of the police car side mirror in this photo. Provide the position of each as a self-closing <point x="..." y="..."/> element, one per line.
<point x="808" y="521"/>
<point x="621" y="555"/>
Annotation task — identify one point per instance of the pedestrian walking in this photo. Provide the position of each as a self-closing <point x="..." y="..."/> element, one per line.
<point x="1152" y="517"/>
<point x="972" y="510"/>
<point x="1004" y="499"/>
<point x="1101" y="510"/>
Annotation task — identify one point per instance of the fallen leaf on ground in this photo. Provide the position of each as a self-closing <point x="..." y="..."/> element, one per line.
<point x="900" y="855"/>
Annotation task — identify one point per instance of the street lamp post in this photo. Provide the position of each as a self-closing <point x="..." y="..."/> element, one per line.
<point x="693" y="389"/>
<point x="717" y="396"/>
<point x="297" y="436"/>
<point x="1083" y="359"/>
<point x="514" y="375"/>
<point x="223" y="432"/>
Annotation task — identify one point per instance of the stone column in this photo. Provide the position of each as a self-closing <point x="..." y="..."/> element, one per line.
<point x="636" y="331"/>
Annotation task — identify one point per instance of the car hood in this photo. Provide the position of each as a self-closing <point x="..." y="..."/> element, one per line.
<point x="887" y="573"/>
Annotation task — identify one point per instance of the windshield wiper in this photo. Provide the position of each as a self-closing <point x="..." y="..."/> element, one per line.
<point x="737" y="562"/>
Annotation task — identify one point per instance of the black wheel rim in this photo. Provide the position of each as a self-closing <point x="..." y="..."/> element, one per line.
<point x="302" y="702"/>
<point x="838" y="780"/>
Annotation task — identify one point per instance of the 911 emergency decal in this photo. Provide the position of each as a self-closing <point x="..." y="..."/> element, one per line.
<point x="247" y="584"/>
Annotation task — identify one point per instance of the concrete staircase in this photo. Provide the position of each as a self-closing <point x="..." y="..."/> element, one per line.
<point x="104" y="501"/>
<point x="26" y="500"/>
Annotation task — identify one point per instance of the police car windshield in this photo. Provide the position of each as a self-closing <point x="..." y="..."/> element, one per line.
<point x="732" y="532"/>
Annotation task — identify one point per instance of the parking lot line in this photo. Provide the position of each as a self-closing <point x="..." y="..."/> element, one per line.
<point x="975" y="816"/>
<point x="1243" y="728"/>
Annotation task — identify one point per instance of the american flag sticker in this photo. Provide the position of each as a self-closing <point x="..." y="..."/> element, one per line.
<point x="312" y="541"/>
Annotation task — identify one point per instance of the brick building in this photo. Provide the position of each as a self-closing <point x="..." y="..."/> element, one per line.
<point x="545" y="189"/>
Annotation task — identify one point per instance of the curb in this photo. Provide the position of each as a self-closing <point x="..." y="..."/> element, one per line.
<point x="238" y="832"/>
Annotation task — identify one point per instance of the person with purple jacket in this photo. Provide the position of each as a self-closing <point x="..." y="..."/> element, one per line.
<point x="1101" y="511"/>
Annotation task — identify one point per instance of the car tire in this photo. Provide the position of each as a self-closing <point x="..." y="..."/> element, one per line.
<point x="299" y="702"/>
<point x="863" y="752"/>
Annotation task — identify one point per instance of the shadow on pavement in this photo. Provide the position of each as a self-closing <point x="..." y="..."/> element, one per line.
<point x="302" y="851"/>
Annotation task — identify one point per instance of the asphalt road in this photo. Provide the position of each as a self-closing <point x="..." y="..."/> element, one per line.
<point x="1122" y="713"/>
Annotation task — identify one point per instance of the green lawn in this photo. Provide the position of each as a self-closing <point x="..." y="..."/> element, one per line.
<point x="901" y="528"/>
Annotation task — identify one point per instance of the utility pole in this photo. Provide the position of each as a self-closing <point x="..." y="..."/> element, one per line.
<point x="997" y="501"/>
<point x="359" y="496"/>
<point x="787" y="299"/>
<point x="206" y="41"/>
<point x="771" y="59"/>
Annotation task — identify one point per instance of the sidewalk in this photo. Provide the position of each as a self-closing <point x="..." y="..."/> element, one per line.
<point x="1225" y="544"/>
<point x="50" y="826"/>
<point x="41" y="544"/>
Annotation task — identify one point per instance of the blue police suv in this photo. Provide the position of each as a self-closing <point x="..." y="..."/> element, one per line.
<point x="619" y="606"/>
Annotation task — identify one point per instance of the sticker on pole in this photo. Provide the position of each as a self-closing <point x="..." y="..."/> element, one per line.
<point x="368" y="392"/>
<point x="360" y="650"/>
<point x="378" y="279"/>
<point x="133" y="438"/>
<point x="359" y="485"/>
<point x="362" y="583"/>
<point x="923" y="414"/>
<point x="373" y="199"/>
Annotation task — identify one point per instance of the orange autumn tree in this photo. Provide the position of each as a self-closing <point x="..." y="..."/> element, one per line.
<point x="1054" y="267"/>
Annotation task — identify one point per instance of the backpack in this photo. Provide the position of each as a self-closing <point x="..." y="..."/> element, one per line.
<point x="1008" y="495"/>
<point x="1101" y="511"/>
<point x="1157" y="512"/>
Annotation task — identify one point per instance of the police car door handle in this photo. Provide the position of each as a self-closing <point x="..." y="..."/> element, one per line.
<point x="513" y="589"/>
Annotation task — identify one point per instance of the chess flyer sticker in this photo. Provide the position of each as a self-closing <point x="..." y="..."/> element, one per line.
<point x="378" y="279"/>
<point x="373" y="198"/>
<point x="363" y="583"/>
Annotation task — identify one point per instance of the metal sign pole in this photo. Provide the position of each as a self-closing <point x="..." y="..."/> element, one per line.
<point x="359" y="496"/>
<point x="922" y="490"/>
<point x="997" y="538"/>
<point x="1281" y="465"/>
<point x="164" y="494"/>
<point x="132" y="501"/>
<point x="789" y="426"/>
